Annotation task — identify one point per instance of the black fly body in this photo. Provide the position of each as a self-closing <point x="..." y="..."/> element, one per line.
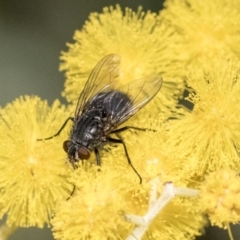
<point x="102" y="108"/>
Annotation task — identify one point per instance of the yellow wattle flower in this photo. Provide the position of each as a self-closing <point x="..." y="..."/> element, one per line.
<point x="207" y="139"/>
<point x="144" y="45"/>
<point x="173" y="221"/>
<point x="33" y="173"/>
<point x="219" y="197"/>
<point x="102" y="198"/>
<point x="208" y="28"/>
<point x="95" y="211"/>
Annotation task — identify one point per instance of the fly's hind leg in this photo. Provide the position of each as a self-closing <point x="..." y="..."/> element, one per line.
<point x="132" y="127"/>
<point x="120" y="141"/>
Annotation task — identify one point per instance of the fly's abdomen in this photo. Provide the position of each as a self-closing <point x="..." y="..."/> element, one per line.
<point x="112" y="106"/>
<point x="117" y="104"/>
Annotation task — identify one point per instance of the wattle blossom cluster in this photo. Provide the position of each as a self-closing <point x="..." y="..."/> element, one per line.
<point x="188" y="159"/>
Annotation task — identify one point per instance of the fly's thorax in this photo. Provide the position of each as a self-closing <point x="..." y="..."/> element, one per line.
<point x="88" y="130"/>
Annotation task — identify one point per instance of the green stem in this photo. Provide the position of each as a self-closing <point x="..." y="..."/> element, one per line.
<point x="6" y="231"/>
<point x="230" y="232"/>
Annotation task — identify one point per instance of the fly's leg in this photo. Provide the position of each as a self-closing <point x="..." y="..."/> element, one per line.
<point x="55" y="135"/>
<point x="98" y="160"/>
<point x="113" y="140"/>
<point x="59" y="131"/>
<point x="117" y="131"/>
<point x="132" y="127"/>
<point x="74" y="187"/>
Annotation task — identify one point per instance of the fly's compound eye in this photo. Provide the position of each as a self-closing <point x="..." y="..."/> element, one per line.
<point x="66" y="145"/>
<point x="83" y="153"/>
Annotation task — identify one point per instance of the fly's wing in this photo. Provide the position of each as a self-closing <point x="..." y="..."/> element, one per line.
<point x="101" y="77"/>
<point x="140" y="92"/>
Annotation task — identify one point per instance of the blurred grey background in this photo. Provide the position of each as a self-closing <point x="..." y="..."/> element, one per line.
<point x="32" y="35"/>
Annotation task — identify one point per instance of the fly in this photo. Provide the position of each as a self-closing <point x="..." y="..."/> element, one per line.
<point x="102" y="108"/>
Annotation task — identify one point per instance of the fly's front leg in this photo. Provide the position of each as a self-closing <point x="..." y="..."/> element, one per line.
<point x="55" y="135"/>
<point x="120" y="141"/>
<point x="98" y="160"/>
<point x="74" y="187"/>
<point x="59" y="131"/>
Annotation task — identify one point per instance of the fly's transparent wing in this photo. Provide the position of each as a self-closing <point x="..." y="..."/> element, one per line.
<point x="140" y="92"/>
<point x="101" y="77"/>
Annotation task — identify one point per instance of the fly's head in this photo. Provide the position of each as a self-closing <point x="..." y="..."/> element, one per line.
<point x="75" y="152"/>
